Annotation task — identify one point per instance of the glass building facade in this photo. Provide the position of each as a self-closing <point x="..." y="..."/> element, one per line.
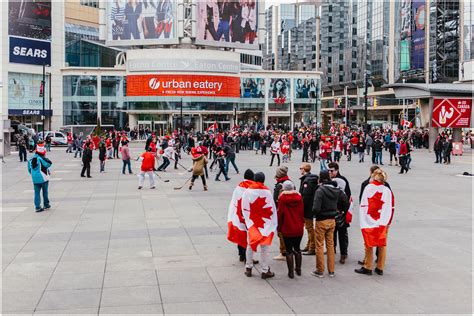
<point x="468" y="30"/>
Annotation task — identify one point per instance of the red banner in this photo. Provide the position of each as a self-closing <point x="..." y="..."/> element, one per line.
<point x="451" y="112"/>
<point x="183" y="85"/>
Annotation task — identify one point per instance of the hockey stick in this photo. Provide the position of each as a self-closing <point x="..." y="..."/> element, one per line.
<point x="164" y="180"/>
<point x="179" y="188"/>
<point x="187" y="169"/>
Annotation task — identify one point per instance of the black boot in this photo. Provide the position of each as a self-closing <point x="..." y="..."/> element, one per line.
<point x="291" y="265"/>
<point x="298" y="260"/>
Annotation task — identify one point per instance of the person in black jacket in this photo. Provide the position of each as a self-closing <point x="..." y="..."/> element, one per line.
<point x="86" y="160"/>
<point x="308" y="187"/>
<point x="327" y="201"/>
<point x="341" y="229"/>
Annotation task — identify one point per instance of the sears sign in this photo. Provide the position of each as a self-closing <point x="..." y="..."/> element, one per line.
<point x="27" y="51"/>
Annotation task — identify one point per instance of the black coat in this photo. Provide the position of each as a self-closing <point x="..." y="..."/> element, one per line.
<point x="87" y="155"/>
<point x="308" y="187"/>
<point x="328" y="199"/>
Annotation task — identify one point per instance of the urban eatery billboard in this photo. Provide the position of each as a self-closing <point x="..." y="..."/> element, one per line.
<point x="227" y="23"/>
<point x="306" y="88"/>
<point x="136" y="22"/>
<point x="279" y="89"/>
<point x="30" y="19"/>
<point x="24" y="91"/>
<point x="451" y="112"/>
<point x="418" y="35"/>
<point x="183" y="86"/>
<point x="252" y="88"/>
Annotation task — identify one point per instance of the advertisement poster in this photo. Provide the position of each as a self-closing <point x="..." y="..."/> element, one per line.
<point x="24" y="91"/>
<point x="183" y="85"/>
<point x="29" y="18"/>
<point x="405" y="34"/>
<point x="279" y="89"/>
<point x="418" y="35"/>
<point x="451" y="112"/>
<point x="137" y="22"/>
<point x="306" y="88"/>
<point x="227" y="23"/>
<point x="252" y="88"/>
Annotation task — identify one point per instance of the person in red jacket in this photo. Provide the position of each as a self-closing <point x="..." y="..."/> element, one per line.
<point x="290" y="225"/>
<point x="148" y="164"/>
<point x="403" y="156"/>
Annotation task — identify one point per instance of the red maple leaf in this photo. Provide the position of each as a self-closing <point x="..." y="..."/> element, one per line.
<point x="375" y="205"/>
<point x="239" y="211"/>
<point x="258" y="212"/>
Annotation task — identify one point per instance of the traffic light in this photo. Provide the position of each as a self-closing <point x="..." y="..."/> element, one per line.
<point x="375" y="103"/>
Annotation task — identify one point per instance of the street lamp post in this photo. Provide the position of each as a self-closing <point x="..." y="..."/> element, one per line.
<point x="366" y="86"/>
<point x="43" y="83"/>
<point x="181" y="118"/>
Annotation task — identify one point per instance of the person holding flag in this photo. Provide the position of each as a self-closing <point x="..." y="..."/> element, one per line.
<point x="237" y="231"/>
<point x="260" y="215"/>
<point x="375" y="215"/>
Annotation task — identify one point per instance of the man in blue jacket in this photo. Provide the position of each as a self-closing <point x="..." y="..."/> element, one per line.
<point x="38" y="168"/>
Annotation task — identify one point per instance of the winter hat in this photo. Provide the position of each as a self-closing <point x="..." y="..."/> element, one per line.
<point x="288" y="186"/>
<point x="40" y="150"/>
<point x="281" y="172"/>
<point x="259" y="177"/>
<point x="249" y="175"/>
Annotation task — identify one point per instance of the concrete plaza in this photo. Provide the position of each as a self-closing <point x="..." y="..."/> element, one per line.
<point x="107" y="248"/>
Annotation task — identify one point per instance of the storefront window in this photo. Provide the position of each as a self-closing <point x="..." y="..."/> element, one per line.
<point x="113" y="86"/>
<point x="79" y="86"/>
<point x="80" y="113"/>
<point x="112" y="113"/>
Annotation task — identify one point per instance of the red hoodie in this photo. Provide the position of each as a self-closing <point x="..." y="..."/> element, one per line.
<point x="290" y="214"/>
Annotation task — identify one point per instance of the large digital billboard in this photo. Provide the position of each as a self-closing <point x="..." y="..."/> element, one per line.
<point x="451" y="112"/>
<point x="253" y="88"/>
<point x="29" y="18"/>
<point x="405" y="34"/>
<point x="279" y="89"/>
<point x="418" y="35"/>
<point x="171" y="85"/>
<point x="24" y="91"/>
<point x="306" y="88"/>
<point x="135" y="22"/>
<point x="227" y="23"/>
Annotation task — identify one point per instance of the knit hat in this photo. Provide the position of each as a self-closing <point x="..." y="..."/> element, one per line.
<point x="249" y="175"/>
<point x="259" y="177"/>
<point x="281" y="172"/>
<point x="288" y="186"/>
<point x="40" y="150"/>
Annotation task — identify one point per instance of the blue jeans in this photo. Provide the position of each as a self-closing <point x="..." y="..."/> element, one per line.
<point x="166" y="163"/>
<point x="223" y="28"/>
<point x="322" y="164"/>
<point x="125" y="164"/>
<point x="38" y="188"/>
<point x="378" y="157"/>
<point x="231" y="159"/>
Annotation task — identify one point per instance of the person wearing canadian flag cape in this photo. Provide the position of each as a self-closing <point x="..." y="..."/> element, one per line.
<point x="261" y="219"/>
<point x="375" y="215"/>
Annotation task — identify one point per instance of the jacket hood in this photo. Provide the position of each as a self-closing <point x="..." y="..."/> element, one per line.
<point x="330" y="189"/>
<point x="309" y="177"/>
<point x="290" y="198"/>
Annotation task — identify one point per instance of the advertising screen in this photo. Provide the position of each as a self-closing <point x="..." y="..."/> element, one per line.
<point x="306" y="88"/>
<point x="183" y="85"/>
<point x="227" y="23"/>
<point x="418" y="35"/>
<point x="252" y="88"/>
<point x="405" y="34"/>
<point x="138" y="22"/>
<point x="451" y="112"/>
<point x="29" y="18"/>
<point x="279" y="88"/>
<point x="24" y="91"/>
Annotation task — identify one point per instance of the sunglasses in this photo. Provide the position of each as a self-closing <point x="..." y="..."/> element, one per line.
<point x="331" y="170"/>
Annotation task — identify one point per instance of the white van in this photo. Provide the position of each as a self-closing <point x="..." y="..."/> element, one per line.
<point x="57" y="138"/>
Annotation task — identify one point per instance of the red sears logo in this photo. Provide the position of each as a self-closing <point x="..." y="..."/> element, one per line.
<point x="154" y="83"/>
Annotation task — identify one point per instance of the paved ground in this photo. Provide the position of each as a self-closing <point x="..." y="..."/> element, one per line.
<point x="107" y="248"/>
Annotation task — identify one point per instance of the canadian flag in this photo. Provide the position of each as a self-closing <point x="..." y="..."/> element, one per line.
<point x="260" y="215"/>
<point x="237" y="231"/>
<point x="376" y="211"/>
<point x="213" y="127"/>
<point x="350" y="211"/>
<point x="406" y="123"/>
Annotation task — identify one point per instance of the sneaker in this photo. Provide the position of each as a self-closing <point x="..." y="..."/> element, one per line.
<point x="152" y="188"/>
<point x="39" y="210"/>
<point x="280" y="257"/>
<point x="89" y="176"/>
<point x="363" y="271"/>
<point x="378" y="271"/>
<point x="268" y="274"/>
<point x="309" y="253"/>
<point x="139" y="188"/>
<point x="317" y="274"/>
<point x="47" y="207"/>
<point x="332" y="274"/>
<point x="248" y="272"/>
<point x="361" y="262"/>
